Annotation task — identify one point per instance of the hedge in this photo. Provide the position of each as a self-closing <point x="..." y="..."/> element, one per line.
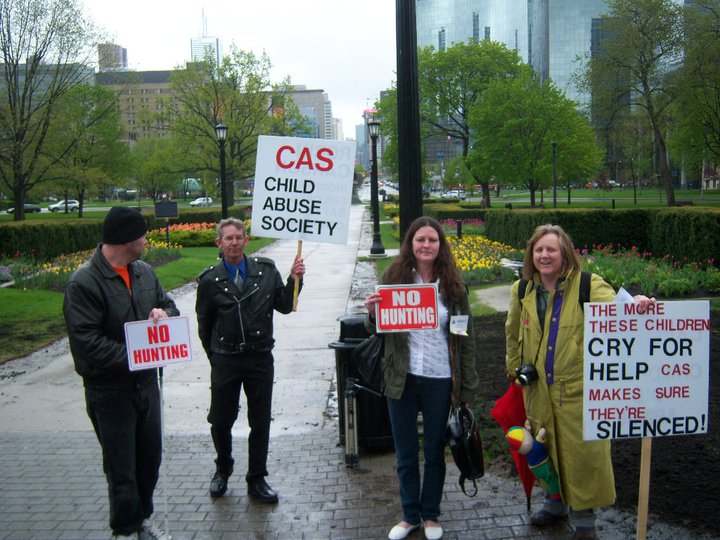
<point x="44" y="240"/>
<point x="686" y="233"/>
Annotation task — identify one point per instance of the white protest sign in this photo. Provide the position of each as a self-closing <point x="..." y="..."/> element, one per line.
<point x="303" y="189"/>
<point x="646" y="375"/>
<point x="152" y="345"/>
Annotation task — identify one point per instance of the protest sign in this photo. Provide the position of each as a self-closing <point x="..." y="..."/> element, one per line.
<point x="646" y="375"/>
<point x="152" y="345"/>
<point x="303" y="189"/>
<point x="406" y="307"/>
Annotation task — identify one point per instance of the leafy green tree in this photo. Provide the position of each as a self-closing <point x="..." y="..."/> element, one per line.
<point x="633" y="68"/>
<point x="238" y="93"/>
<point x="515" y="123"/>
<point x="84" y="142"/>
<point x="150" y="158"/>
<point x="44" y="48"/>
<point x="698" y="107"/>
<point x="453" y="80"/>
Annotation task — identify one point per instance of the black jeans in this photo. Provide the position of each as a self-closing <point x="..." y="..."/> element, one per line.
<point x="127" y="424"/>
<point x="229" y="374"/>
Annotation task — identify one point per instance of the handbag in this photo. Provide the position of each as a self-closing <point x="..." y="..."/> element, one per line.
<point x="463" y="437"/>
<point x="367" y="357"/>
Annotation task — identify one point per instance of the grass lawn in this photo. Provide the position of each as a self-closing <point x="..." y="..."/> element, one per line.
<point x="33" y="318"/>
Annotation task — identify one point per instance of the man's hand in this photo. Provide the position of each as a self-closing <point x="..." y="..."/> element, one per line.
<point x="156" y="314"/>
<point x="298" y="268"/>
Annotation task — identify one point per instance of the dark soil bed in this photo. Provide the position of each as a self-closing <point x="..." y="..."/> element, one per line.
<point x="685" y="471"/>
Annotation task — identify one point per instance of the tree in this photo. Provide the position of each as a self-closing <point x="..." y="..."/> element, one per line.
<point x="698" y="107"/>
<point x="238" y="93"/>
<point x="84" y="142"/>
<point x="45" y="53"/>
<point x="151" y="157"/>
<point x="633" y="68"/>
<point x="516" y="121"/>
<point x="451" y="83"/>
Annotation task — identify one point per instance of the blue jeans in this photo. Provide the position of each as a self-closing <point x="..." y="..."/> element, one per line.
<point x="430" y="396"/>
<point x="127" y="424"/>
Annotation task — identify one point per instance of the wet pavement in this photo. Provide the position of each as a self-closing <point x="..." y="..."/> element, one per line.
<point x="52" y="485"/>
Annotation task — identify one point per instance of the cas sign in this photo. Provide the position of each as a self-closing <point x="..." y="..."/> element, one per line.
<point x="406" y="307"/>
<point x="151" y="345"/>
<point x="303" y="189"/>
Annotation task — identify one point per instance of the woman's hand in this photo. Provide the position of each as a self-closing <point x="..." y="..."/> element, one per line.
<point x="643" y="302"/>
<point x="370" y="302"/>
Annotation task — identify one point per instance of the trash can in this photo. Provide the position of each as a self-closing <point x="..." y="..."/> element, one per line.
<point x="373" y="422"/>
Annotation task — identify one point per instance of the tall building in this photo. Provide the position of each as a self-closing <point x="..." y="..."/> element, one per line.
<point x="200" y="47"/>
<point x="316" y="107"/>
<point x="548" y="34"/>
<point x="139" y="103"/>
<point x="112" y="57"/>
<point x="139" y="99"/>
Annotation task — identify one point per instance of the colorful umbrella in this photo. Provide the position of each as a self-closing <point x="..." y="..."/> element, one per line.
<point x="509" y="411"/>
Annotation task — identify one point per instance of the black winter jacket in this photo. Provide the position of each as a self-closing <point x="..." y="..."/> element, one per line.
<point x="234" y="321"/>
<point x="97" y="305"/>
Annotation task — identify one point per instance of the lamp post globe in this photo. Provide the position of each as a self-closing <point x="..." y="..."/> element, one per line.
<point x="221" y="133"/>
<point x="377" y="249"/>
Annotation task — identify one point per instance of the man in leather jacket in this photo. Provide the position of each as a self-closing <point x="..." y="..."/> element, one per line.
<point x="235" y="303"/>
<point x="111" y="288"/>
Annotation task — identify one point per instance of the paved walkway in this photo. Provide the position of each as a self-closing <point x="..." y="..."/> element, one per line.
<point x="51" y="481"/>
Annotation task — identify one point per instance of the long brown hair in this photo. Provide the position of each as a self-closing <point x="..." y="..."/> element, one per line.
<point x="400" y="270"/>
<point x="571" y="260"/>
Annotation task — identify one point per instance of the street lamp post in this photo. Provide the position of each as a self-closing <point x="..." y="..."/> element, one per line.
<point x="221" y="132"/>
<point x="554" y="146"/>
<point x="377" y="249"/>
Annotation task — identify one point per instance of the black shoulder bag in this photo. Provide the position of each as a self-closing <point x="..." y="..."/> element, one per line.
<point x="463" y="438"/>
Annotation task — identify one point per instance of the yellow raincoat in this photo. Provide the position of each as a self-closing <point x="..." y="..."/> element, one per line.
<point x="584" y="467"/>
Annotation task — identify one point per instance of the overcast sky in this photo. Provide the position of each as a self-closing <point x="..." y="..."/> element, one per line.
<point x="344" y="47"/>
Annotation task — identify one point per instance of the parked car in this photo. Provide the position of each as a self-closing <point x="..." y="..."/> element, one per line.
<point x="454" y="195"/>
<point x="72" y="206"/>
<point x="29" y="208"/>
<point x="202" y="201"/>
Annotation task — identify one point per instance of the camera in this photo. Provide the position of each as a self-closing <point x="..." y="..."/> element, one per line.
<point x="526" y="374"/>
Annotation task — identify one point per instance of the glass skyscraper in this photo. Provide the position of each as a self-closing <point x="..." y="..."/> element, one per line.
<point x="548" y="34"/>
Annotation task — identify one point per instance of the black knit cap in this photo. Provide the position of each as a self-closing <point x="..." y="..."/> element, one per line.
<point x="123" y="225"/>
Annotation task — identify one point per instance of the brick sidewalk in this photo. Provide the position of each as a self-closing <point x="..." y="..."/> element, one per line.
<point x="53" y="488"/>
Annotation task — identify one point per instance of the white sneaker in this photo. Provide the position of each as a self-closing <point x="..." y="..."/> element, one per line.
<point x="150" y="531"/>
<point x="398" y="532"/>
<point x="433" y="532"/>
<point x="131" y="536"/>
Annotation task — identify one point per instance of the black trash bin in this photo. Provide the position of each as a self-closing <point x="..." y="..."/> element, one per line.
<point x="373" y="423"/>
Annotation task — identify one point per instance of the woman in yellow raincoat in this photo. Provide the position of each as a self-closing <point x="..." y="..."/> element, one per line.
<point x="544" y="329"/>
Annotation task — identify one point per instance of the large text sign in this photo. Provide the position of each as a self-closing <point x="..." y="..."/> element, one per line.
<point x="303" y="189"/>
<point x="646" y="375"/>
<point x="151" y="345"/>
<point x="407" y="307"/>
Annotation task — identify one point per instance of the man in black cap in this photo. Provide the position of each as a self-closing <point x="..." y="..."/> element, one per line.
<point x="111" y="288"/>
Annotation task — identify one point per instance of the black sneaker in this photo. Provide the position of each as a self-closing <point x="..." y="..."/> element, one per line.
<point x="218" y="484"/>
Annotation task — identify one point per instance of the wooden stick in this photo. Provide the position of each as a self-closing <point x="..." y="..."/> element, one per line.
<point x="644" y="490"/>
<point x="297" y="278"/>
